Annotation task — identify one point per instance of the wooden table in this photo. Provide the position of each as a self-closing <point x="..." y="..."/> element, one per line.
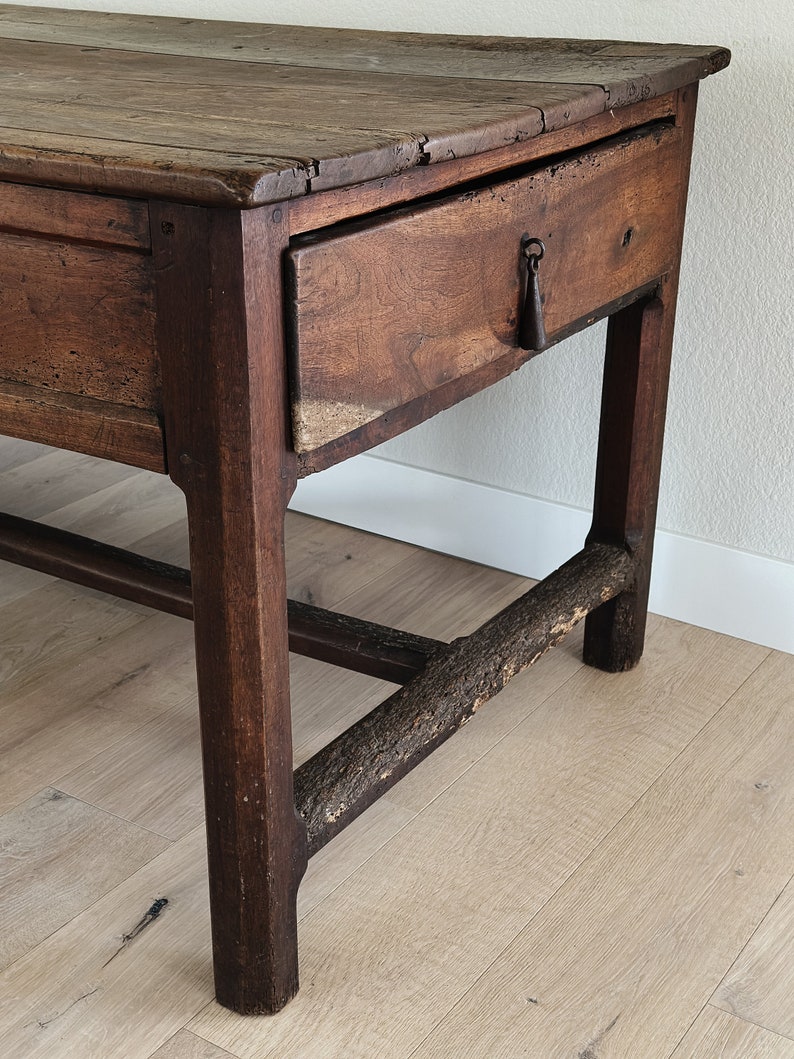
<point x="238" y="254"/>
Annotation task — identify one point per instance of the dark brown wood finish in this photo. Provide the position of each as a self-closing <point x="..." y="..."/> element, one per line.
<point x="75" y="216"/>
<point x="78" y="365"/>
<point x="152" y="174"/>
<point x="341" y="640"/>
<point x="634" y="402"/>
<point x="102" y="567"/>
<point x="219" y="336"/>
<point x="99" y="428"/>
<point x="103" y="302"/>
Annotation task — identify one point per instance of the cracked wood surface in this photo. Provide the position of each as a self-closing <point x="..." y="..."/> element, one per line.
<point x="216" y="112"/>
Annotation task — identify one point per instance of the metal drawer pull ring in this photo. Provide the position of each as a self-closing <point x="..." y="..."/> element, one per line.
<point x="531" y="330"/>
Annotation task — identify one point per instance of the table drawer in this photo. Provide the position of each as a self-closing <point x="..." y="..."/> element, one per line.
<point x="382" y="312"/>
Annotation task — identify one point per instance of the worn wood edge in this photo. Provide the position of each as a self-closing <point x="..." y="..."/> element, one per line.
<point x="324" y="208"/>
<point x="58" y="160"/>
<point x="55" y="161"/>
<point x="339" y="639"/>
<point x="354" y="770"/>
<point x="205" y="177"/>
<point x="397" y="420"/>
<point x="83" y="424"/>
<point x="36" y="158"/>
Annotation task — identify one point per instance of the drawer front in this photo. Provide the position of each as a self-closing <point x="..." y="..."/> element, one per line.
<point x="382" y="313"/>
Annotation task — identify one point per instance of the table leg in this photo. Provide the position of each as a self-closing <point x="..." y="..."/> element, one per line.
<point x="218" y="292"/>
<point x="639" y="340"/>
<point x="634" y="402"/>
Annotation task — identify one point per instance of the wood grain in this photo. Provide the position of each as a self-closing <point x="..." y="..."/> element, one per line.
<point x="15" y="452"/>
<point x="82" y="700"/>
<point x="220" y="339"/>
<point x="503" y="58"/>
<point x="119" y="513"/>
<point x="84" y="424"/>
<point x="759" y="986"/>
<point x="35" y="478"/>
<point x="329" y="207"/>
<point x="87" y="1007"/>
<point x="327" y="562"/>
<point x="78" y="320"/>
<point x="338" y="639"/>
<point x="595" y="732"/>
<point x="193" y="130"/>
<point x="55" y="479"/>
<point x="125" y="512"/>
<point x="416" y="925"/>
<point x="77" y="992"/>
<point x="375" y="325"/>
<point x="716" y="1033"/>
<point x="74" y="622"/>
<point x="377" y="110"/>
<point x="455" y="595"/>
<point x="693" y="867"/>
<point x="392" y="423"/>
<point x="153" y="777"/>
<point x="631" y="434"/>
<point x="67" y="215"/>
<point x="46" y="843"/>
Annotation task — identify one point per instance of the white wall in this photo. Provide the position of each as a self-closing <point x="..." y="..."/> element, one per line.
<point x="728" y="476"/>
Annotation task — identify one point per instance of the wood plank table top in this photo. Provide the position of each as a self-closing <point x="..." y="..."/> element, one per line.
<point x="243" y="114"/>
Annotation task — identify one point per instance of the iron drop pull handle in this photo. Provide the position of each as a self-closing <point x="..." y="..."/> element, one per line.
<point x="531" y="329"/>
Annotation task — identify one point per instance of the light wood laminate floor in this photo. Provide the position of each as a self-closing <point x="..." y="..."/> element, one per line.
<point x="596" y="866"/>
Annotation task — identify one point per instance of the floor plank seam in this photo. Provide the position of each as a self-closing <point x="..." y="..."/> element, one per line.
<point x="563" y="882"/>
<point x="310" y="912"/>
<point x="501" y="738"/>
<point x="337" y="603"/>
<point x="98" y="897"/>
<point x="688" y="1030"/>
<point x="750" y="1022"/>
<point x="118" y="816"/>
<point x="682" y="749"/>
<point x="591" y="854"/>
<point x="678" y="702"/>
<point x="741" y="952"/>
<point x="201" y="1037"/>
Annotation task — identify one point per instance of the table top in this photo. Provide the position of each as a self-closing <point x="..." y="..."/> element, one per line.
<point x="226" y="113"/>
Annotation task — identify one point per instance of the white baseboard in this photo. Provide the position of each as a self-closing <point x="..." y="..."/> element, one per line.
<point x="730" y="591"/>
